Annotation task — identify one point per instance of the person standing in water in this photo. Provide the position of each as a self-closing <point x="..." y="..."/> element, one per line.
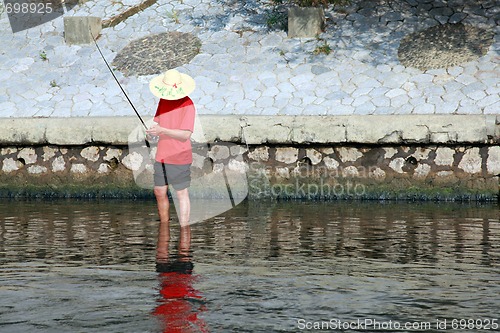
<point x="174" y="120"/>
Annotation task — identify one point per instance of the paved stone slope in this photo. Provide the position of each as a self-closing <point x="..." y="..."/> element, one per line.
<point x="243" y="68"/>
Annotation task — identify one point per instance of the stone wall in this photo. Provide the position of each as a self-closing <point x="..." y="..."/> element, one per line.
<point x="387" y="172"/>
<point x="365" y="157"/>
<point x="66" y="171"/>
<point x="266" y="171"/>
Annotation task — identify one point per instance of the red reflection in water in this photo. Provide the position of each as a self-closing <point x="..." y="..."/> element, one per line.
<point x="180" y="303"/>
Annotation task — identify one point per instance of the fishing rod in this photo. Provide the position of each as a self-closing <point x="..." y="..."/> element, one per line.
<point x="118" y="82"/>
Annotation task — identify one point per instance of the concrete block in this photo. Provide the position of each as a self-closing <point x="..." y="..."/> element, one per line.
<point x="21" y="131"/>
<point x="416" y="133"/>
<point x="305" y="21"/>
<point x="77" y="29"/>
<point x="265" y="129"/>
<point x="381" y="129"/>
<point x="317" y="129"/>
<point x="115" y="130"/>
<point x="58" y="131"/>
<point x="443" y="137"/>
<point x="218" y="128"/>
<point x="373" y="129"/>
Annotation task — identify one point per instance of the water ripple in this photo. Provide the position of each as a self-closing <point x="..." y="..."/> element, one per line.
<point x="261" y="267"/>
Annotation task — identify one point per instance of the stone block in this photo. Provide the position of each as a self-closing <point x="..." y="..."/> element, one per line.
<point x="471" y="161"/>
<point x="10" y="164"/>
<point x="350" y="172"/>
<point x="444" y="156"/>
<point x="78" y="168"/>
<point x="90" y="153"/>
<point x="238" y="166"/>
<point x="380" y="129"/>
<point x="219" y="152"/>
<point x="259" y="154"/>
<point x="37" y="169"/>
<point x="111" y="154"/>
<point x="28" y="155"/>
<point x="237" y="150"/>
<point x="421" y="171"/>
<point x="377" y="174"/>
<point x="348" y="154"/>
<point x="389" y="152"/>
<point x="283" y="173"/>
<point x="287" y="155"/>
<point x="493" y="162"/>
<point x="397" y="164"/>
<point x="314" y="155"/>
<point x="305" y="21"/>
<point x="331" y="163"/>
<point x="49" y="153"/>
<point x="58" y="164"/>
<point x="78" y="29"/>
<point x="133" y="161"/>
<point x="103" y="168"/>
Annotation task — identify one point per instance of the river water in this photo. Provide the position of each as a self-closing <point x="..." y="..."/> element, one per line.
<point x="92" y="266"/>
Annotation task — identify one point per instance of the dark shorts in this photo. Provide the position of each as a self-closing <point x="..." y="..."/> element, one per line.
<point x="179" y="176"/>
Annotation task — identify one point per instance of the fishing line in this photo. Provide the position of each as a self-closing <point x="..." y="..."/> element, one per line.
<point x="118" y="82"/>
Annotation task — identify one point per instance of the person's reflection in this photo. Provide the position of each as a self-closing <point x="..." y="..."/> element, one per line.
<point x="179" y="304"/>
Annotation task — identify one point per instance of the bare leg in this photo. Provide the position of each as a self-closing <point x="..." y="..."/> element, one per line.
<point x="185" y="242"/>
<point x="163" y="240"/>
<point x="184" y="207"/>
<point x="162" y="201"/>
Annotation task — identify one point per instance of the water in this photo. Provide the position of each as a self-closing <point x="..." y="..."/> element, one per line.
<point x="88" y="266"/>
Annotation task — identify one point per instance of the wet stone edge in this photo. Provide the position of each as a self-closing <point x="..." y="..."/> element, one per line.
<point x="272" y="171"/>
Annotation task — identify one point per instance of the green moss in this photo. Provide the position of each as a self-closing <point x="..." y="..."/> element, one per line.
<point x="74" y="191"/>
<point x="257" y="190"/>
<point x="346" y="189"/>
<point x="422" y="193"/>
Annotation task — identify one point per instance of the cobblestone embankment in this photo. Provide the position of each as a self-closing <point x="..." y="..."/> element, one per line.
<point x="404" y="106"/>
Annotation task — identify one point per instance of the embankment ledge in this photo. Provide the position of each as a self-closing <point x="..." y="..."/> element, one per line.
<point x="279" y="130"/>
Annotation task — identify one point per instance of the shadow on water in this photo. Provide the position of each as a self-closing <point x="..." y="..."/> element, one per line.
<point x="261" y="267"/>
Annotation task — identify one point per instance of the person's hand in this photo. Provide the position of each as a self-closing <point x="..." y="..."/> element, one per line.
<point x="154" y="130"/>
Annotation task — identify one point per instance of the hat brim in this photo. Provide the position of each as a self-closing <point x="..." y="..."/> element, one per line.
<point x="161" y="90"/>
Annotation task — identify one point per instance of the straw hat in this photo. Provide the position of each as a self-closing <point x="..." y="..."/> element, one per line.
<point x="172" y="85"/>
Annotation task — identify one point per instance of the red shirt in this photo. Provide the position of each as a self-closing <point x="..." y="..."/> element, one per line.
<point x="178" y="114"/>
